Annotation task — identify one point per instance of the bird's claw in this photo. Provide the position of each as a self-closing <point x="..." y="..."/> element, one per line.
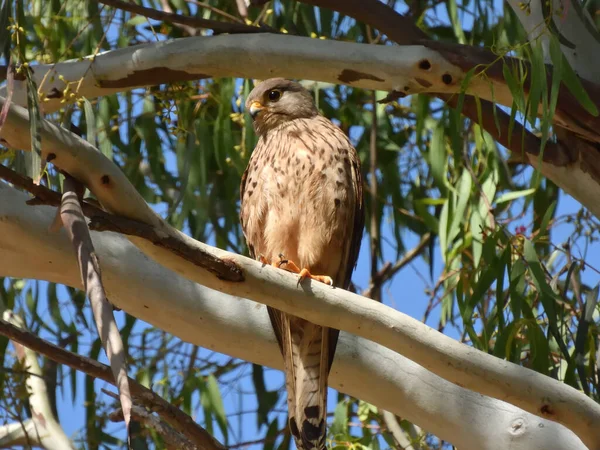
<point x="290" y="266"/>
<point x="281" y="261"/>
<point x="304" y="273"/>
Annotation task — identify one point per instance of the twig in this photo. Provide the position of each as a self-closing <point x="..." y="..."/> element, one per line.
<point x="75" y="224"/>
<point x="171" y="414"/>
<point x="397" y="433"/>
<point x="174" y="440"/>
<point x="215" y="25"/>
<point x="10" y="78"/>
<point x="242" y="8"/>
<point x="218" y="11"/>
<point x="375" y="242"/>
<point x="192" y="31"/>
<point x="389" y="270"/>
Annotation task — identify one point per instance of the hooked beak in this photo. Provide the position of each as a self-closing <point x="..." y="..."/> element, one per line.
<point x="255" y="108"/>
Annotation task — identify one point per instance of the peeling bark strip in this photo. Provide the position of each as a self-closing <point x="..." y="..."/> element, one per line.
<point x="423" y="82"/>
<point x="223" y="269"/>
<point x="149" y="77"/>
<point x="393" y="96"/>
<point x="349" y="76"/>
<point x="55" y="93"/>
<point x="74" y="223"/>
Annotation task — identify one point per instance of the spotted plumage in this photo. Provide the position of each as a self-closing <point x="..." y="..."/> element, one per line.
<point x="301" y="197"/>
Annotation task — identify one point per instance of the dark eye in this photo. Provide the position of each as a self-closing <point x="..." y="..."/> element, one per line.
<point x="274" y="95"/>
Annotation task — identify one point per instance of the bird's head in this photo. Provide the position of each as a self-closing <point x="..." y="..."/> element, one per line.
<point x="277" y="100"/>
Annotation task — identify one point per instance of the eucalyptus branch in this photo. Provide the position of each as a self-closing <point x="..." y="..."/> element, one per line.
<point x="335" y="308"/>
<point x="240" y="328"/>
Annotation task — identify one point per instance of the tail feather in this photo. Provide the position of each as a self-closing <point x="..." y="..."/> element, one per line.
<point x="306" y="350"/>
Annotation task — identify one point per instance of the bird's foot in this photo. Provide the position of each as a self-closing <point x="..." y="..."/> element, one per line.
<point x="304" y="273"/>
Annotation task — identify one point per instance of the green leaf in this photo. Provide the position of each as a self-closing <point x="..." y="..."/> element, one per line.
<point x="339" y="427"/>
<point x="365" y="411"/>
<point x="429" y="220"/>
<point x="266" y="399"/>
<point x="443" y="229"/>
<point x="90" y="122"/>
<point x="557" y="70"/>
<point x="573" y="83"/>
<point x="516" y="88"/>
<point x="538" y="82"/>
<point x="271" y="436"/>
<point x="216" y="404"/>
<point x="510" y="196"/>
<point x="103" y="128"/>
<point x="517" y="287"/>
<point x="35" y="156"/>
<point x="476" y="224"/>
<point x="438" y="158"/>
<point x="464" y="195"/>
<point x="137" y="20"/>
<point x="456" y="25"/>
<point x="546" y="221"/>
<point x="547" y="296"/>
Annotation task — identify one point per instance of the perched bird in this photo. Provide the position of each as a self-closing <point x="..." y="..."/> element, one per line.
<point x="302" y="210"/>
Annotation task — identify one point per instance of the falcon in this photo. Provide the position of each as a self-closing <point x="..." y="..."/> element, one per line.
<point x="302" y="211"/>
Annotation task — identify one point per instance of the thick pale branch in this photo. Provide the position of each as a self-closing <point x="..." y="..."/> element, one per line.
<point x="260" y="56"/>
<point x="570" y="21"/>
<point x="475" y="370"/>
<point x="407" y="69"/>
<point x="241" y="328"/>
<point x="340" y="309"/>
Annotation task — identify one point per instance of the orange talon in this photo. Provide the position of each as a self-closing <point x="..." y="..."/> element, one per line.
<point x="290" y="266"/>
<point x="304" y="273"/>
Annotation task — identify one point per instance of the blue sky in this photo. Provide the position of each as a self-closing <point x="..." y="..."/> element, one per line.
<point x="406" y="293"/>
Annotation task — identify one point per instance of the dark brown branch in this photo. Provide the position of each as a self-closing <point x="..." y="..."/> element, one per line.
<point x="215" y="25"/>
<point x="404" y="32"/>
<point x="223" y="269"/>
<point x="103" y="221"/>
<point x="520" y="142"/>
<point x="172" y="415"/>
<point x="173" y="439"/>
<point x="374" y="225"/>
